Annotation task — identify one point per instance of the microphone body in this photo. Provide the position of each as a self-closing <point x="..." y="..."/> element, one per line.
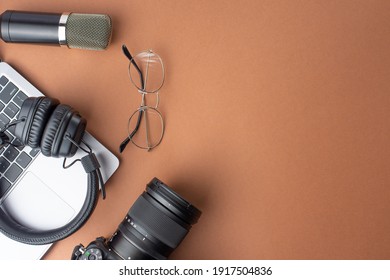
<point x="83" y="31"/>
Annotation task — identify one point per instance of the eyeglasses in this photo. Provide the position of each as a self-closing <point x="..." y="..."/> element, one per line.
<point x="145" y="125"/>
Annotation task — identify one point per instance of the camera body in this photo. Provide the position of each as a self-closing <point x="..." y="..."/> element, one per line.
<point x="154" y="226"/>
<point x="96" y="250"/>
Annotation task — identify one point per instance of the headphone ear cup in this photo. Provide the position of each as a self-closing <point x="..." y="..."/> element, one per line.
<point x="50" y="134"/>
<point x="75" y="131"/>
<point x="36" y="111"/>
<point x="64" y="121"/>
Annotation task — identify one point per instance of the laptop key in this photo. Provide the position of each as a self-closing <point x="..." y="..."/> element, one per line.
<point x="23" y="159"/>
<point x="11" y="110"/>
<point x="11" y="153"/>
<point x="4" y="120"/>
<point x="11" y="129"/>
<point x="13" y="172"/>
<point x="10" y="136"/>
<point x="19" y="98"/>
<point x="4" y="164"/>
<point x="8" y="92"/>
<point x="18" y="144"/>
<point x="3" y="80"/>
<point x="34" y="152"/>
<point x="4" y="186"/>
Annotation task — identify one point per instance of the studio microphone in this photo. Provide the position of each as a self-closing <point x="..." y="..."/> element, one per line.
<point x="81" y="31"/>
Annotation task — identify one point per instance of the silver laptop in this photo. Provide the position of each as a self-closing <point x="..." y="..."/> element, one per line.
<point x="36" y="180"/>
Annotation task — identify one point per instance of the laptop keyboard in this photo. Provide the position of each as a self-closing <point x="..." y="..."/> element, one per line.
<point x="13" y="159"/>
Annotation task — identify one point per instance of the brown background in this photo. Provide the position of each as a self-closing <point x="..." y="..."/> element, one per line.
<point x="277" y="120"/>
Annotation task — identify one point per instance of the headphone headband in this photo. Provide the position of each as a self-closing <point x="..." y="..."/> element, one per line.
<point x="14" y="230"/>
<point x="57" y="130"/>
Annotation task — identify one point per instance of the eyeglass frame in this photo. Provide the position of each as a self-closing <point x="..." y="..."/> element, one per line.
<point x="143" y="107"/>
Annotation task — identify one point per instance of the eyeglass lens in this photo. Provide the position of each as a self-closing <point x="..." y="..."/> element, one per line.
<point x="150" y="129"/>
<point x="151" y="67"/>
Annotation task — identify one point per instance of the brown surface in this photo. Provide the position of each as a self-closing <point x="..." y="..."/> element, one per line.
<point x="277" y="117"/>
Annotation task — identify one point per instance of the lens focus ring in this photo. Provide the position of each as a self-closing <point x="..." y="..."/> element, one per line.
<point x="155" y="225"/>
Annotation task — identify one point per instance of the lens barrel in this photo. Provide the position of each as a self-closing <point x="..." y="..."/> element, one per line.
<point x="155" y="225"/>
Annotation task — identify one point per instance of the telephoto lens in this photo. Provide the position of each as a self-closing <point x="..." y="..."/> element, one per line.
<point x="154" y="226"/>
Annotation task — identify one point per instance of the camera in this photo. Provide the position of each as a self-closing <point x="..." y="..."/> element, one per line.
<point x="154" y="226"/>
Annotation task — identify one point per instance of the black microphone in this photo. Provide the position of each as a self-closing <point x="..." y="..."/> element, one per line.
<point x="82" y="31"/>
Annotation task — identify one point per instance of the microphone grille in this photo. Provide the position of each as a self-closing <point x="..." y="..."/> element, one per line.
<point x="88" y="31"/>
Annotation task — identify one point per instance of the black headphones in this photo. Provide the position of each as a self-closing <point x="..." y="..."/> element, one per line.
<point x="57" y="130"/>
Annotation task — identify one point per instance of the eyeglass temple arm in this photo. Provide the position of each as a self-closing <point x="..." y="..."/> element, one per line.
<point x="124" y="143"/>
<point x="130" y="57"/>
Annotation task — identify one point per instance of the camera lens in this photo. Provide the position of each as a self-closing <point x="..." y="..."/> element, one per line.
<point x="155" y="225"/>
